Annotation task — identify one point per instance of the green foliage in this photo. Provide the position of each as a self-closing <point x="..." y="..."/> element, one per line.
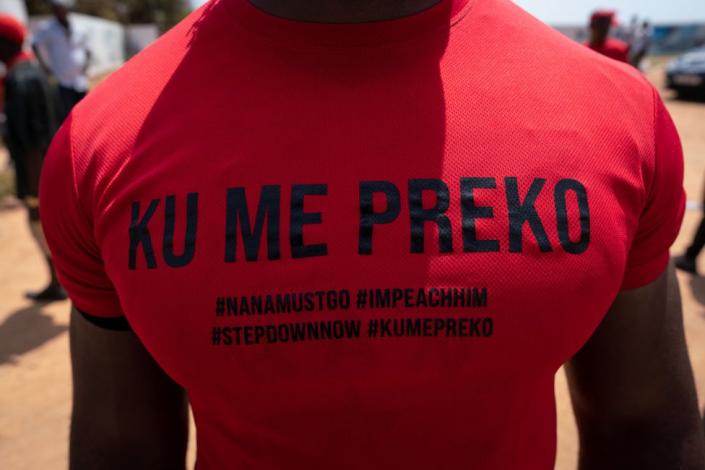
<point x="165" y="13"/>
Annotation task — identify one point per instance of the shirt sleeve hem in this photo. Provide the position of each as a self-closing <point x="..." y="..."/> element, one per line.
<point x="111" y="323"/>
<point x="100" y="309"/>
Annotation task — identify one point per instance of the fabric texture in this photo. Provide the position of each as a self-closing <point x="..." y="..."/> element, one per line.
<point x="369" y="245"/>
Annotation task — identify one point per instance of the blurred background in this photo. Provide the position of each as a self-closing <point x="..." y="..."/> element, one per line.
<point x="667" y="40"/>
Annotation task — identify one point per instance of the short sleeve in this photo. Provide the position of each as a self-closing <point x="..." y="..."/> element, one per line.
<point x="40" y="37"/>
<point x="661" y="218"/>
<point x="69" y="233"/>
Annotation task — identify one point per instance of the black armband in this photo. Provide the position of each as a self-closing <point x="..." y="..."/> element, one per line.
<point x="112" y="323"/>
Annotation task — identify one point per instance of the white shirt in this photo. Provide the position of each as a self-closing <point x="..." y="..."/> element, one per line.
<point x="66" y="55"/>
<point x="642" y="39"/>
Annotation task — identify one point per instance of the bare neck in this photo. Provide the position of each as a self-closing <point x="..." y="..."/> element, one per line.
<point x="342" y="11"/>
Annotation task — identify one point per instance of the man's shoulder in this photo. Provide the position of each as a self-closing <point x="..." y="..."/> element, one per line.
<point x="539" y="71"/>
<point x="121" y="103"/>
<point x="552" y="63"/>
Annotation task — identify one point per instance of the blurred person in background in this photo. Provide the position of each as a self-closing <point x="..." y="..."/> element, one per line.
<point x="640" y="43"/>
<point x="601" y="23"/>
<point x="632" y="29"/>
<point x="62" y="50"/>
<point x="688" y="261"/>
<point x="30" y="109"/>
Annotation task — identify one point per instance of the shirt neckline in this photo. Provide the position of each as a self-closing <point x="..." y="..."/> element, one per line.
<point x="445" y="13"/>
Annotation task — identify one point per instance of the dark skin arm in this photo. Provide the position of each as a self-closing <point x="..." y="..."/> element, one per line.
<point x="42" y="62"/>
<point x="632" y="386"/>
<point x="127" y="413"/>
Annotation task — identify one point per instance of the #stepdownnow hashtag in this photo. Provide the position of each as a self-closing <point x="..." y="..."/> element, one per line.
<point x="372" y="327"/>
<point x="215" y="337"/>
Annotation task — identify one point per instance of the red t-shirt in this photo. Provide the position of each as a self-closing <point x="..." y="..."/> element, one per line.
<point x="370" y="245"/>
<point x="612" y="48"/>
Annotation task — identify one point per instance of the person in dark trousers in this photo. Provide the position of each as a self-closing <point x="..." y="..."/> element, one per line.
<point x="640" y="44"/>
<point x="688" y="261"/>
<point x="31" y="123"/>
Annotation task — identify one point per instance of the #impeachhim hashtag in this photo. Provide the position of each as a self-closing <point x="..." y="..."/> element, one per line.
<point x="361" y="298"/>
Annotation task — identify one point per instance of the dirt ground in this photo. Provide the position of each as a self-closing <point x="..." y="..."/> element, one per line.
<point x="35" y="388"/>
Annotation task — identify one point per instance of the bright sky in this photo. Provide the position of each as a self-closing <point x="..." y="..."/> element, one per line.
<point x="576" y="11"/>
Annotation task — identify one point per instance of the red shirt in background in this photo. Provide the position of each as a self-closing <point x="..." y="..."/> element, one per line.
<point x="612" y="48"/>
<point x="365" y="246"/>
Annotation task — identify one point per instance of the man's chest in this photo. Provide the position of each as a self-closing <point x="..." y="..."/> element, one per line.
<point x="454" y="259"/>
